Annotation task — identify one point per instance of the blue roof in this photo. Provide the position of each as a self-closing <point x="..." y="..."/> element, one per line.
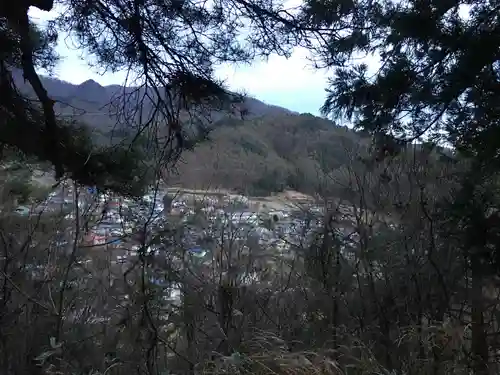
<point x="196" y="250"/>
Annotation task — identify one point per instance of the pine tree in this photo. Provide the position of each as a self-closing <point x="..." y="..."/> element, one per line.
<point x="439" y="81"/>
<point x="169" y="47"/>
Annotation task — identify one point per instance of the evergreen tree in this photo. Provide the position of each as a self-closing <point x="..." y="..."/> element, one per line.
<point x="438" y="81"/>
<point x="170" y="48"/>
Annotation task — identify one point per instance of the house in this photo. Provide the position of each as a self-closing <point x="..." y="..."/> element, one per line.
<point x="22" y="210"/>
<point x="197" y="252"/>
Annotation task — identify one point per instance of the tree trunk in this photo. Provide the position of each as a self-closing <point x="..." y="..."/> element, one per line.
<point x="479" y="343"/>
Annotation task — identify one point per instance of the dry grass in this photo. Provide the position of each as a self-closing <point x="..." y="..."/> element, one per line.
<point x="266" y="354"/>
<point x="273" y="363"/>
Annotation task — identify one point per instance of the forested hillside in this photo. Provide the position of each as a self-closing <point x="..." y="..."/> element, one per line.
<point x="268" y="154"/>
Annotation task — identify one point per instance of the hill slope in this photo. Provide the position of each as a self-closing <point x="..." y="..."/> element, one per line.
<point x="267" y="154"/>
<point x="270" y="150"/>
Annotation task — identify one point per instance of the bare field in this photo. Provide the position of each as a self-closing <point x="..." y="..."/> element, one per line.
<point x="212" y="192"/>
<point x="284" y="200"/>
<point x="278" y="201"/>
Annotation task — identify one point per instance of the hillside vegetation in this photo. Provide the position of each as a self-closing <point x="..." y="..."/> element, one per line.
<point x="268" y="154"/>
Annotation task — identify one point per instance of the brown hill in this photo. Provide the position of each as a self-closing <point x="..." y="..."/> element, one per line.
<point x="267" y="154"/>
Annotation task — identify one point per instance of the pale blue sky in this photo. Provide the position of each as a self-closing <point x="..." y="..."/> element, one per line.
<point x="291" y="83"/>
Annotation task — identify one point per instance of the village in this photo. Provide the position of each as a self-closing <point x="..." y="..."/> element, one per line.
<point x="191" y="228"/>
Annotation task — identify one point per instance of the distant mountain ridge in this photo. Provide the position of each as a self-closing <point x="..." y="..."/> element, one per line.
<point x="102" y="107"/>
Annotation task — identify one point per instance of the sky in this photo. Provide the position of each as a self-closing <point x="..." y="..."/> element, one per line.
<point x="290" y="83"/>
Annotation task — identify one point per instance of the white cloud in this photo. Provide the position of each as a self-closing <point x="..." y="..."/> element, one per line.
<point x="292" y="83"/>
<point x="278" y="74"/>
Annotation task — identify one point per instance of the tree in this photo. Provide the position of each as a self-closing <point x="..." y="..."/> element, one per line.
<point x="438" y="75"/>
<point x="438" y="81"/>
<point x="169" y="49"/>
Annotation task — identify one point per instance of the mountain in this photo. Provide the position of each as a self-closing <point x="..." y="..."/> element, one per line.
<point x="268" y="154"/>
<point x="108" y="107"/>
<point x="270" y="149"/>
